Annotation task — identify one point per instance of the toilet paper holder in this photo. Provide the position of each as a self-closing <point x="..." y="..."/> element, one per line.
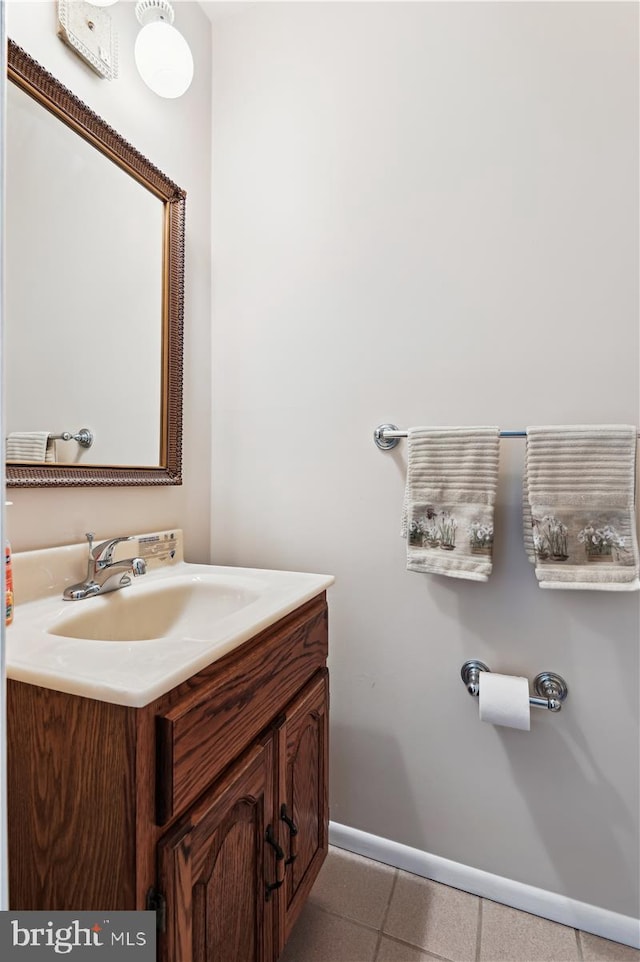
<point x="551" y="690"/>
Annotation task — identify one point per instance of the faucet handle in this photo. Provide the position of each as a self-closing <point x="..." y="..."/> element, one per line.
<point x="103" y="553"/>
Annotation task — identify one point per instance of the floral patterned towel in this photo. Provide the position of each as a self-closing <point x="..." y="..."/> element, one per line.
<point x="579" y="506"/>
<point x="447" y="519"/>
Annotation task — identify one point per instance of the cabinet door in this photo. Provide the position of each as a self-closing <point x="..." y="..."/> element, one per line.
<point x="215" y="866"/>
<point x="304" y="808"/>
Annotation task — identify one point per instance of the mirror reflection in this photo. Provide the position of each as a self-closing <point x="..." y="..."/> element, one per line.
<point x="94" y="249"/>
<point x="83" y="293"/>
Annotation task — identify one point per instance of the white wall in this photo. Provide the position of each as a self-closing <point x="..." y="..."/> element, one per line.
<point x="427" y="213"/>
<point x="176" y="136"/>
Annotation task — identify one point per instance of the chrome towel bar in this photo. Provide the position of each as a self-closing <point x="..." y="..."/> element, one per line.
<point x="386" y="436"/>
<point x="84" y="437"/>
<point x="551" y="690"/>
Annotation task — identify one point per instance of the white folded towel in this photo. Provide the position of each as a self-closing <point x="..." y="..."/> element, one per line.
<point x="579" y="506"/>
<point x="31" y="447"/>
<point x="447" y="519"/>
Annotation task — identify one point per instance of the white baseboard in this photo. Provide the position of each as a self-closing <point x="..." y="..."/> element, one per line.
<point x="549" y="905"/>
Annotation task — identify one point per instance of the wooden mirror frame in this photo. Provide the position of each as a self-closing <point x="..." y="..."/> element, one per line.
<point x="43" y="87"/>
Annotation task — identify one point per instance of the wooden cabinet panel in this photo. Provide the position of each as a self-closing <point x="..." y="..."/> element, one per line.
<point x="199" y="736"/>
<point x="70" y="800"/>
<point x="304" y="807"/>
<point x="212" y="868"/>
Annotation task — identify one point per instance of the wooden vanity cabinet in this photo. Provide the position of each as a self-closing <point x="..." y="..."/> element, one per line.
<point x="210" y="804"/>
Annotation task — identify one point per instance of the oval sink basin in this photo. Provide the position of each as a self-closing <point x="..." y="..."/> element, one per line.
<point x="158" y="610"/>
<point x="132" y="645"/>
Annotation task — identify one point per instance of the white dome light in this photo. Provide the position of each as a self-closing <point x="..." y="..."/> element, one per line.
<point x="162" y="55"/>
<point x="163" y="59"/>
<point x="101" y="3"/>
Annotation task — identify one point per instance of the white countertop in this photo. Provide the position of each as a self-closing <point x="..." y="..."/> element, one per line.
<point x="226" y="606"/>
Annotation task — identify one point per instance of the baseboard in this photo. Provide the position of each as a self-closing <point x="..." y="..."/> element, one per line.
<point x="548" y="905"/>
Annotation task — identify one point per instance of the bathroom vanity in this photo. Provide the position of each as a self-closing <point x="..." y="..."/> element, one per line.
<point x="208" y="804"/>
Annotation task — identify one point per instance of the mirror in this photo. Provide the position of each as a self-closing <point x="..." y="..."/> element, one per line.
<point x="94" y="296"/>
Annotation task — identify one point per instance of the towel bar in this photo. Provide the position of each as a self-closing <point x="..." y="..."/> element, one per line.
<point x="386" y="436"/>
<point x="550" y="688"/>
<point x="84" y="437"/>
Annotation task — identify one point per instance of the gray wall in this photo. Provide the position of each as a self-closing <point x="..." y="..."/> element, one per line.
<point x="427" y="213"/>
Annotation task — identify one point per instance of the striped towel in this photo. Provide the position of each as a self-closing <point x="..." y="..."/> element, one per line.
<point x="31" y="447"/>
<point x="579" y="506"/>
<point x="447" y="519"/>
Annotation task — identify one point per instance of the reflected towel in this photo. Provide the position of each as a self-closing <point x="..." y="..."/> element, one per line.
<point x="579" y="506"/>
<point x="447" y="519"/>
<point x="31" y="447"/>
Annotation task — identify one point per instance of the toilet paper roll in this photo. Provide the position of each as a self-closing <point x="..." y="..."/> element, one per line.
<point x="504" y="700"/>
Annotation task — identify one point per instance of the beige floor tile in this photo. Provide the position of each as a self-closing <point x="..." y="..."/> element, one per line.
<point x="434" y="917"/>
<point x="512" y="936"/>
<point x="355" y="887"/>
<point x="320" y="937"/>
<point x="595" y="949"/>
<point x="391" y="951"/>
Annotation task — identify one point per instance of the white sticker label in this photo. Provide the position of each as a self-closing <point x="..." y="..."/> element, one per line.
<point x="159" y="548"/>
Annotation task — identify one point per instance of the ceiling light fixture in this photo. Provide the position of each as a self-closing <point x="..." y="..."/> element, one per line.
<point x="161" y="53"/>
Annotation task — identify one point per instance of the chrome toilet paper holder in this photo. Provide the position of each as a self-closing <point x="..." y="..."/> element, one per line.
<point x="551" y="690"/>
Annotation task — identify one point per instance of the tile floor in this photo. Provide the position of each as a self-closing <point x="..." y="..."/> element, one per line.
<point x="363" y="911"/>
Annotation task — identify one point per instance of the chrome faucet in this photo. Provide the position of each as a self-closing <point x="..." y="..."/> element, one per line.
<point x="103" y="573"/>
